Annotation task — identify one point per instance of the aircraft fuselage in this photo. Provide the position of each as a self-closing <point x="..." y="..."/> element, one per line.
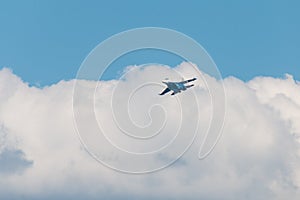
<point x="176" y="87"/>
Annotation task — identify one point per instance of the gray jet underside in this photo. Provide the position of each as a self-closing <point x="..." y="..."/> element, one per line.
<point x="176" y="87"/>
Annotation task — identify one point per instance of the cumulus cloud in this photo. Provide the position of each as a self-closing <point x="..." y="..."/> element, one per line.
<point x="257" y="156"/>
<point x="13" y="161"/>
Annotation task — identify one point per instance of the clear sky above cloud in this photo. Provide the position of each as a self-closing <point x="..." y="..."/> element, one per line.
<point x="46" y="41"/>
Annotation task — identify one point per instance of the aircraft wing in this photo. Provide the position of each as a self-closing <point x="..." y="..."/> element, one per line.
<point x="187" y="81"/>
<point x="165" y="91"/>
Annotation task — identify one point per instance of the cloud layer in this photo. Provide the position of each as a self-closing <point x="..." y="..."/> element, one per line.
<point x="257" y="157"/>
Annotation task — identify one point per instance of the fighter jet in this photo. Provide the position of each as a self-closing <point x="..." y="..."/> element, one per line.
<point x="176" y="87"/>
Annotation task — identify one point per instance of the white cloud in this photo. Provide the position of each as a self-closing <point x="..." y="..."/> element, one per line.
<point x="257" y="156"/>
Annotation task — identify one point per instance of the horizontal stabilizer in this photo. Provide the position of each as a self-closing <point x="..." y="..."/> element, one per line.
<point x="190" y="80"/>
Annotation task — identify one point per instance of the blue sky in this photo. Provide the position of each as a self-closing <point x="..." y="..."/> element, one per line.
<point x="46" y="41"/>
